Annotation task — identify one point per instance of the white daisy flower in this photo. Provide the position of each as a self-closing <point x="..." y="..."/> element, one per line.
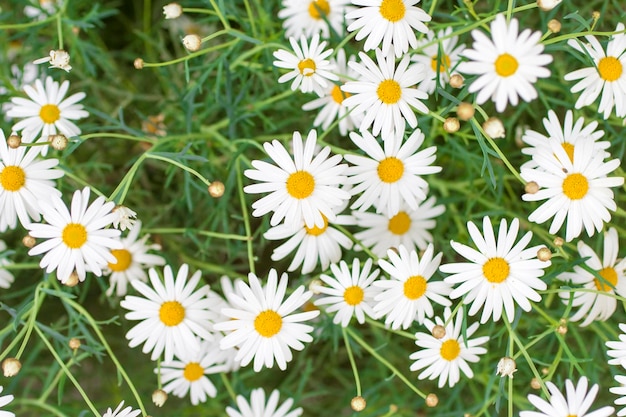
<point x="409" y="294"/>
<point x="601" y="304"/>
<point x="172" y="314"/>
<point x="258" y="407"/>
<point x="439" y="58"/>
<point x="500" y="274"/>
<point x="310" y="70"/>
<point x="508" y="64"/>
<point x="579" y="191"/>
<point x="4" y="400"/>
<point x="388" y="176"/>
<point x="408" y="227"/>
<point x="446" y="357"/>
<point x="125" y="218"/>
<point x="392" y="22"/>
<point x="126" y="412"/>
<point x="606" y="75"/>
<point x="25" y="180"/>
<point x="577" y="402"/>
<point x="6" y="277"/>
<point x="41" y="9"/>
<point x="313" y="16"/>
<point x="349" y="293"/>
<point x="58" y="58"/>
<point x="386" y="94"/>
<point x="302" y="187"/>
<point x="621" y="391"/>
<point x="262" y="323"/>
<point x="76" y="239"/>
<point x="132" y="261"/>
<point x="617" y="349"/>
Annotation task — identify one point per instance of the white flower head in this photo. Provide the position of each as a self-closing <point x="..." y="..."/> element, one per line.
<point x="4" y="400"/>
<point x="58" y="58"/>
<point x="125" y="218"/>
<point x="617" y="349"/>
<point x="172" y="10"/>
<point x="6" y="277"/>
<point x="118" y="412"/>
<point x="621" y="391"/>
<point x="259" y="407"/>
<point x="506" y="367"/>
<point x="309" y="17"/>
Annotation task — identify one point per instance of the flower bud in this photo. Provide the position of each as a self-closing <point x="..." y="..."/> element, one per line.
<point x="506" y="367"/>
<point x="138" y="63"/>
<point x="456" y="81"/>
<point x="432" y="400"/>
<point x="74" y="343"/>
<point x="535" y="384"/>
<point x="192" y="42"/>
<point x="58" y="142"/>
<point x="172" y="10"/>
<point x="531" y="187"/>
<point x="438" y="331"/>
<point x="11" y="367"/>
<point x="494" y="128"/>
<point x="159" y="397"/>
<point x="544" y="254"/>
<point x="451" y="125"/>
<point x="358" y="403"/>
<point x="216" y="189"/>
<point x="465" y="111"/>
<point x="558" y="241"/>
<point x="14" y="141"/>
<point x="547" y="5"/>
<point x="28" y="241"/>
<point x="554" y="26"/>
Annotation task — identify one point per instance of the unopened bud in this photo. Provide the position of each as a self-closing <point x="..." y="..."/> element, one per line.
<point x="465" y="111"/>
<point x="432" y="400"/>
<point x="159" y="397"/>
<point x="595" y="15"/>
<point x="494" y="128"/>
<point x="14" y="141"/>
<point x="216" y="189"/>
<point x="547" y="5"/>
<point x="314" y="286"/>
<point x="558" y="241"/>
<point x="74" y="343"/>
<point x="28" y="241"/>
<point x="358" y="403"/>
<point x="138" y="63"/>
<point x="172" y="10"/>
<point x="562" y="329"/>
<point x="11" y="367"/>
<point x="544" y="254"/>
<point x="72" y="280"/>
<point x="531" y="187"/>
<point x="535" y="384"/>
<point x="506" y="367"/>
<point x="58" y="142"/>
<point x="451" y="125"/>
<point x="456" y="81"/>
<point x="192" y="42"/>
<point x="438" y="331"/>
<point x="554" y="26"/>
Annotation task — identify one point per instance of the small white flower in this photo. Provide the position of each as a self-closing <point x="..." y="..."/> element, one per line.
<point x="4" y="400"/>
<point x="308" y="17"/>
<point x="547" y="5"/>
<point x="58" y="58"/>
<point x="506" y="367"/>
<point x="621" y="391"/>
<point x="172" y="10"/>
<point x="124" y="218"/>
<point x="494" y="128"/>
<point x="617" y="349"/>
<point x="127" y="412"/>
<point x="6" y="277"/>
<point x="257" y="407"/>
<point x="192" y="42"/>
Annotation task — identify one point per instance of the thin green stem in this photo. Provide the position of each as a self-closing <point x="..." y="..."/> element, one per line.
<point x="251" y="17"/>
<point x="246" y="219"/>
<point x="39" y="404"/>
<point x="191" y="55"/>
<point x="38" y="298"/>
<point x="220" y="15"/>
<point x="355" y="371"/>
<point x="228" y="386"/>
<point x="226" y="236"/>
<point x="117" y="136"/>
<point x="60" y="30"/>
<point x="503" y="157"/>
<point x="181" y="166"/>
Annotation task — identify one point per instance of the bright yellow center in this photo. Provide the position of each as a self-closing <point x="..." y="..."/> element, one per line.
<point x="193" y="371"/>
<point x="171" y="313"/>
<point x="318" y="9"/>
<point x="445" y="63"/>
<point x="316" y="231"/>
<point x="496" y="270"/>
<point x="575" y="186"/>
<point x="610" y="68"/>
<point x="400" y="223"/>
<point x="124" y="259"/>
<point x="49" y="113"/>
<point x="389" y="91"/>
<point x="338" y="95"/>
<point x="392" y="10"/>
<point x="414" y="287"/>
<point x="74" y="235"/>
<point x="268" y="323"/>
<point x="353" y="295"/>
<point x="390" y="169"/>
<point x="300" y="184"/>
<point x="506" y="65"/>
<point x="450" y="349"/>
<point x="12" y="178"/>
<point x="610" y="275"/>
<point x="307" y="67"/>
<point x="569" y="150"/>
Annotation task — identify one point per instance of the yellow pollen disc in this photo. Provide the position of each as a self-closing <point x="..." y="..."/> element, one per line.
<point x="572" y="415"/>
<point x="445" y="63"/>
<point x="124" y="259"/>
<point x="400" y="223"/>
<point x="300" y="184"/>
<point x="318" y="9"/>
<point x="193" y="371"/>
<point x="49" y="113"/>
<point x="74" y="235"/>
<point x="171" y="313"/>
<point x="575" y="186"/>
<point x="496" y="270"/>
<point x="506" y="65"/>
<point x="389" y="91"/>
<point x="610" y="68"/>
<point x="450" y="350"/>
<point x="390" y="169"/>
<point x="353" y="295"/>
<point x="569" y="150"/>
<point x="338" y="95"/>
<point x="610" y="275"/>
<point x="414" y="287"/>
<point x="316" y="231"/>
<point x="307" y="67"/>
<point x="392" y="10"/>
<point x="268" y="323"/>
<point x="12" y="178"/>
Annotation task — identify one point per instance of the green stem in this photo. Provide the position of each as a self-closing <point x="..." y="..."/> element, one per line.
<point x="117" y="136"/>
<point x="207" y="233"/>
<point x="228" y="386"/>
<point x="191" y="55"/>
<point x="181" y="166"/>
<point x="355" y="371"/>
<point x="246" y="219"/>
<point x="39" y="404"/>
<point x="220" y="15"/>
<point x="60" y="30"/>
<point x="31" y="324"/>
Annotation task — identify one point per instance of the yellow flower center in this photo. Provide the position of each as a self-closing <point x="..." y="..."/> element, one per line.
<point x="338" y="95"/>
<point x="50" y="113"/>
<point x="307" y="67"/>
<point x="400" y="223"/>
<point x="268" y="323"/>
<point x="610" y="275"/>
<point x="569" y="150"/>
<point x="450" y="349"/>
<point x="353" y="295"/>
<point x="610" y="68"/>
<point x="193" y="371"/>
<point x="12" y="178"/>
<point x="390" y="169"/>
<point x="316" y="231"/>
<point x="392" y="10"/>
<point x="506" y="65"/>
<point x="496" y="270"/>
<point x="445" y="63"/>
<point x="575" y="186"/>
<point x="318" y="9"/>
<point x="124" y="259"/>
<point x="172" y="313"/>
<point x="300" y="184"/>
<point x="414" y="287"/>
<point x="74" y="235"/>
<point x="389" y="91"/>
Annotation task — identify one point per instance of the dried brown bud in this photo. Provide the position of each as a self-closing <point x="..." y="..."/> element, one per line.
<point x="432" y="400"/>
<point x="72" y="280"/>
<point x="465" y="111"/>
<point x="74" y="343"/>
<point x="216" y="189"/>
<point x="14" y="141"/>
<point x="358" y="403"/>
<point x="554" y="26"/>
<point x="544" y="254"/>
<point x="451" y="125"/>
<point x="535" y="384"/>
<point x="11" y="367"/>
<point x="456" y="81"/>
<point x="558" y="241"/>
<point x="531" y="187"/>
<point x="138" y="63"/>
<point x="438" y="331"/>
<point x="28" y="241"/>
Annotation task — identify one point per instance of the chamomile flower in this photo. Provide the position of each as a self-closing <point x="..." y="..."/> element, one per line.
<point x="386" y="94"/>
<point x="388" y="176"/>
<point x="258" y="407"/>
<point x="349" y="292"/>
<point x="390" y="22"/>
<point x="126" y="218"/>
<point x="126" y="412"/>
<point x="132" y="261"/>
<point x="447" y="357"/>
<point x="606" y="75"/>
<point x="58" y="58"/>
<point x="76" y="239"/>
<point x="621" y="391"/>
<point x="171" y="313"/>
<point x="6" y="277"/>
<point x="302" y="187"/>
<point x="500" y="274"/>
<point x="577" y="190"/>
<point x="262" y="322"/>
<point x="576" y="403"/>
<point x="4" y="400"/>
<point x="313" y="16"/>
<point x="309" y="68"/>
<point x="617" y="349"/>
<point x="409" y="294"/>
<point x="507" y="65"/>
<point x="598" y="305"/>
<point x="25" y="180"/>
<point x="408" y="227"/>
